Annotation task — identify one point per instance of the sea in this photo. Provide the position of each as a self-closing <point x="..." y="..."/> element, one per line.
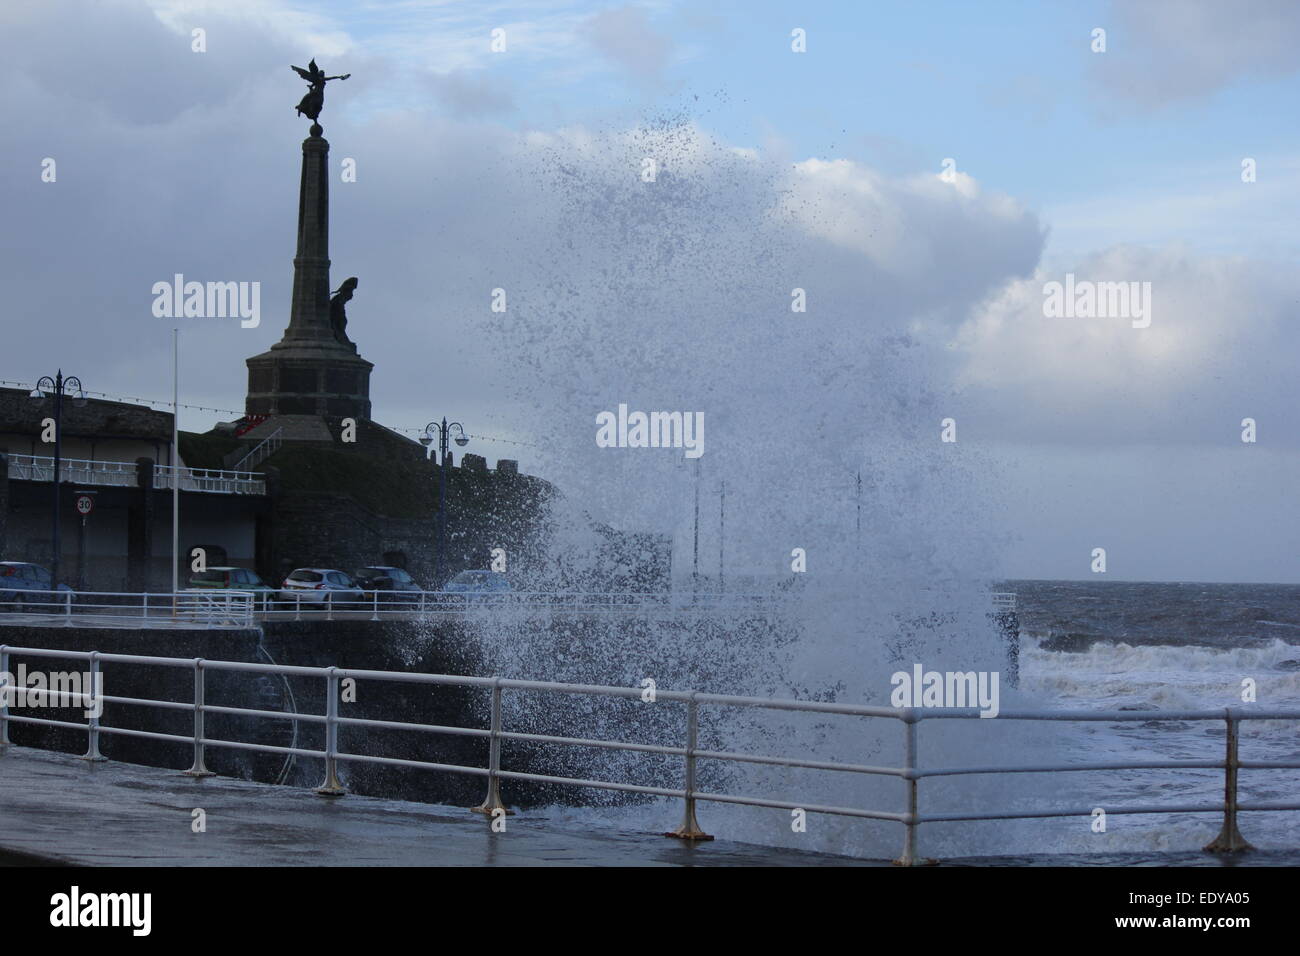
<point x="1102" y="646"/>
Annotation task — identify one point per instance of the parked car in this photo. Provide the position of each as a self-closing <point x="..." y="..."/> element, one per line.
<point x="318" y="585"/>
<point x="479" y="586"/>
<point x="229" y="579"/>
<point x="23" y="584"/>
<point x="383" y="578"/>
<point x="233" y="579"/>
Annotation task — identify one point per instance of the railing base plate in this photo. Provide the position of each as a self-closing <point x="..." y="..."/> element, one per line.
<point x="1228" y="842"/>
<point x="695" y="836"/>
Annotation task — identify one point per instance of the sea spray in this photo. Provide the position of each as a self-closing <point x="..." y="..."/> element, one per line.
<point x="677" y="294"/>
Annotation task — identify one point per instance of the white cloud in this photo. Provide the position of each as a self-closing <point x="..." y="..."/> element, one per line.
<point x="1220" y="338"/>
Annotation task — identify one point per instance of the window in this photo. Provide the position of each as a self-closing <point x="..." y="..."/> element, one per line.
<point x="310" y="577"/>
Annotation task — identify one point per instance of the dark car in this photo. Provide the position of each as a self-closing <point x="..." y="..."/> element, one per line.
<point x="24" y="584"/>
<point x="479" y="587"/>
<point x="384" y="578"/>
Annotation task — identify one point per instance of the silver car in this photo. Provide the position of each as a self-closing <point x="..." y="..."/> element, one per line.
<point x="321" y="585"/>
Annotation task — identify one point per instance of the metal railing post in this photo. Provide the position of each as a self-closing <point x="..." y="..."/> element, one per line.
<point x="492" y="802"/>
<point x="329" y="605"/>
<point x="92" y="726"/>
<point x="4" y="695"/>
<point x="331" y="787"/>
<point x="67" y="607"/>
<point x="909" y="857"/>
<point x="297" y="606"/>
<point x="375" y="616"/>
<point x="199" y="769"/>
<point x="1229" y="839"/>
<point x="690" y="828"/>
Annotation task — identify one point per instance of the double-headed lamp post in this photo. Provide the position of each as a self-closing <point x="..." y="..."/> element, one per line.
<point x="56" y="388"/>
<point x="443" y="434"/>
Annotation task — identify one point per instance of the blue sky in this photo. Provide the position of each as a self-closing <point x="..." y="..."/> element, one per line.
<point x="1012" y="91"/>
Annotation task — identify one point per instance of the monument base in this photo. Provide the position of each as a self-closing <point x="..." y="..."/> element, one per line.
<point x="281" y="382"/>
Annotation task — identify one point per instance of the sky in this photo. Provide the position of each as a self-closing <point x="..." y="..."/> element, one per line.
<point x="922" y="171"/>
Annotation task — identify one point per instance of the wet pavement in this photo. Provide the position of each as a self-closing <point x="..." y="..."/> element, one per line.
<point x="61" y="809"/>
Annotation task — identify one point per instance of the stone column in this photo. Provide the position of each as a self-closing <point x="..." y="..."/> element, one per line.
<point x="4" y="502"/>
<point x="309" y="315"/>
<point x="139" y="528"/>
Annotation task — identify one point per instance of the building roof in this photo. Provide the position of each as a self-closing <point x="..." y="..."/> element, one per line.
<point x="97" y="418"/>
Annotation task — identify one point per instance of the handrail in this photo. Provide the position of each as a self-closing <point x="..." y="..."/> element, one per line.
<point x="217" y="480"/>
<point x="155" y="609"/>
<point x="207" y="608"/>
<point x="76" y="470"/>
<point x="911" y="772"/>
<point x="123" y="474"/>
<point x="263" y="450"/>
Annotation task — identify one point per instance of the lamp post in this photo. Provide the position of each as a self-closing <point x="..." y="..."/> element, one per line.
<point x="858" y="546"/>
<point x="695" y="572"/>
<point x="56" y="387"/>
<point x="443" y="433"/>
<point x="722" y="538"/>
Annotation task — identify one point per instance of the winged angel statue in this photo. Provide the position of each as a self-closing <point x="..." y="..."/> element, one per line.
<point x="311" y="104"/>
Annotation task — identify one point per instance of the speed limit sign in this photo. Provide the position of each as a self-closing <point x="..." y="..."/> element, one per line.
<point x="85" y="505"/>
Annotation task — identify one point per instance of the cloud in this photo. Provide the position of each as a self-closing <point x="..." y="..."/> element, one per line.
<point x="1163" y="51"/>
<point x="470" y="94"/>
<point x="1218" y="349"/>
<point x="627" y="38"/>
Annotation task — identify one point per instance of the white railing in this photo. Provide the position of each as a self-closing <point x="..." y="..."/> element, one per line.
<point x="245" y="607"/>
<point x="210" y="479"/>
<point x="1004" y="600"/>
<point x="263" y="450"/>
<point x="123" y="474"/>
<point x="390" y="604"/>
<point x="910" y="773"/>
<point x="76" y="470"/>
<point x="219" y="607"/>
<point x="195" y="608"/>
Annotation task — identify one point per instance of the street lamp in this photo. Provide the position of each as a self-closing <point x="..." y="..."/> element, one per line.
<point x="722" y="537"/>
<point x="443" y="433"/>
<point x="56" y="387"/>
